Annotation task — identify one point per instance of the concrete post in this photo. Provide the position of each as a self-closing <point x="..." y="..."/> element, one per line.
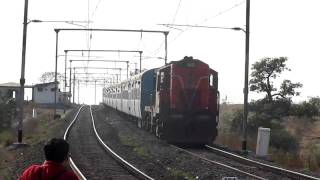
<point x="263" y="142"/>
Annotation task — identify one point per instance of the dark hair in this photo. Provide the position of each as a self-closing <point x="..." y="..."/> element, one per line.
<point x="56" y="150"/>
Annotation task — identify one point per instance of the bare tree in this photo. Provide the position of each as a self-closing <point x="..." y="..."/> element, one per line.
<point x="49" y="77"/>
<point x="267" y="69"/>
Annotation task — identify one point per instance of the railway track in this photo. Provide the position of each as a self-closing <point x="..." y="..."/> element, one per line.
<point x="244" y="167"/>
<point x="91" y="157"/>
<point x="94" y="163"/>
<point x="275" y="169"/>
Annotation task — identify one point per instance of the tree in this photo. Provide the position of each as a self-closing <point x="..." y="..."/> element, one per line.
<point x="268" y="69"/>
<point x="49" y="77"/>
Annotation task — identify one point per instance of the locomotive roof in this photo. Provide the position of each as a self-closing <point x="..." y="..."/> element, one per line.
<point x="186" y="59"/>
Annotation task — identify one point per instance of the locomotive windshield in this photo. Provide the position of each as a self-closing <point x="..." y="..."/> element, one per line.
<point x="187" y="64"/>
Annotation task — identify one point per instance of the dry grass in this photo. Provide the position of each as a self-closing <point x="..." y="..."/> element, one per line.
<point x="233" y="141"/>
<point x="5" y="160"/>
<point x="32" y="127"/>
<point x="308" y="131"/>
<point x="34" y="130"/>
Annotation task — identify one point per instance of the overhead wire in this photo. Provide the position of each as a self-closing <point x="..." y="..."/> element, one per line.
<point x="173" y="20"/>
<point x="89" y="33"/>
<point x="203" y="21"/>
<point x="89" y="36"/>
<point x="222" y="12"/>
<point x="177" y="10"/>
<point x="95" y="9"/>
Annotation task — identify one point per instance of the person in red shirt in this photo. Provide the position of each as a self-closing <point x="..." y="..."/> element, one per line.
<point x="55" y="166"/>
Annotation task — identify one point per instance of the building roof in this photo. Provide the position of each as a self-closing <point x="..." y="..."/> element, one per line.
<point x="10" y="84"/>
<point x="13" y="85"/>
<point x="44" y="84"/>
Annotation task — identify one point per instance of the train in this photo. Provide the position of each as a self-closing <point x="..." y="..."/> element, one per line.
<point x="178" y="102"/>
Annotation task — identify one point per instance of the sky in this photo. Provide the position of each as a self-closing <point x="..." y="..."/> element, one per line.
<point x="277" y="28"/>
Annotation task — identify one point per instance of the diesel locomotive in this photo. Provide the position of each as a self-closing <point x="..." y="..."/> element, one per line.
<point x="178" y="102"/>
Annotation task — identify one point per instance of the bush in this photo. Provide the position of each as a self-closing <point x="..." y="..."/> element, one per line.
<point x="312" y="157"/>
<point x="255" y="120"/>
<point x="236" y="122"/>
<point x="6" y="111"/>
<point x="274" y="109"/>
<point x="262" y="120"/>
<point x="6" y="138"/>
<point x="283" y="140"/>
<point x="308" y="109"/>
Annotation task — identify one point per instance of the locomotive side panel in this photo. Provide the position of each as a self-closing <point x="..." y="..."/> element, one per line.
<point x="177" y="102"/>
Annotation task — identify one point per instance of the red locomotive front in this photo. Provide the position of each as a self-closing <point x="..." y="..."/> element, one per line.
<point x="188" y="101"/>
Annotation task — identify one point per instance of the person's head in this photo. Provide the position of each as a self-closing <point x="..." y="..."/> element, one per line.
<point x="56" y="149"/>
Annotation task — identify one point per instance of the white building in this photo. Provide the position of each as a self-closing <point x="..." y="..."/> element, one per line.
<point x="9" y="91"/>
<point x="44" y="94"/>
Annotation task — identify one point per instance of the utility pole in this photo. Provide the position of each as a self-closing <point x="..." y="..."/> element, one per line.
<point x="246" y="77"/>
<point x="78" y="91"/>
<point x="166" y="47"/>
<point x="140" y="53"/>
<point x="55" y="75"/>
<point x="65" y="70"/>
<point x="70" y="84"/>
<point x="74" y="84"/>
<point x="127" y="69"/>
<point x="95" y="92"/>
<point x="22" y="79"/>
<point x="246" y="74"/>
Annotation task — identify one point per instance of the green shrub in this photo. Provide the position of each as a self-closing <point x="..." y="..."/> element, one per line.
<point x="6" y="138"/>
<point x="312" y="159"/>
<point x="274" y="109"/>
<point x="6" y="113"/>
<point x="255" y="120"/>
<point x="282" y="139"/>
<point x="236" y="122"/>
<point x="304" y="109"/>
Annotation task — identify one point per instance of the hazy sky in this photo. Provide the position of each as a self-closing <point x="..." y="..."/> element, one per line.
<point x="278" y="28"/>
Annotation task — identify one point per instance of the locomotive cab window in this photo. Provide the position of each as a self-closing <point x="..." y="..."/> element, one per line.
<point x="161" y="77"/>
<point x="211" y="79"/>
<point x="161" y="81"/>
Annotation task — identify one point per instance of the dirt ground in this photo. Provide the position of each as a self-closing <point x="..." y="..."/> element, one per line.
<point x="155" y="157"/>
<point x="37" y="132"/>
<point x="135" y="143"/>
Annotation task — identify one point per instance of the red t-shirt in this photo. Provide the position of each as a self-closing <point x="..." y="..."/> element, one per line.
<point x="48" y="170"/>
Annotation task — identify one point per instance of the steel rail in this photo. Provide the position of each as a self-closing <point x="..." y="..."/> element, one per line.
<point x="287" y="172"/>
<point x="221" y="164"/>
<point x="72" y="164"/>
<point x="119" y="159"/>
